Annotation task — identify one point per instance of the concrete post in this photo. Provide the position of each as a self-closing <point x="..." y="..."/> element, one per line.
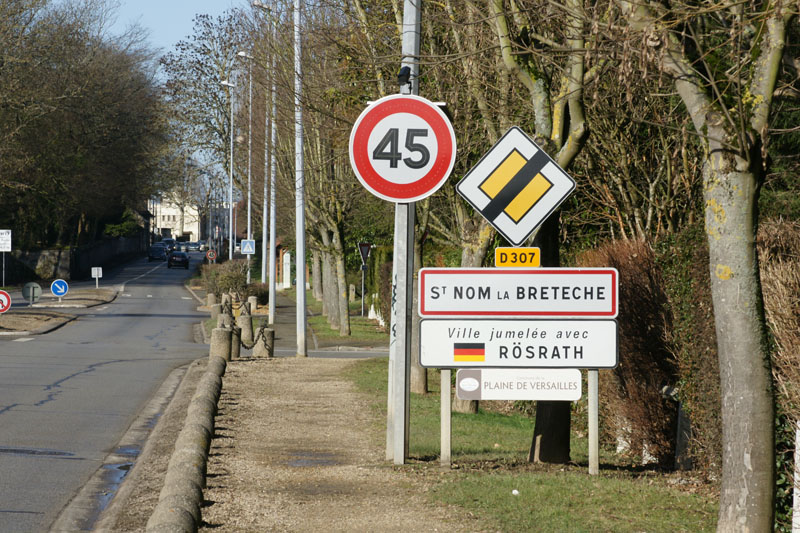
<point x="245" y="325"/>
<point x="220" y="343"/>
<point x="211" y="299"/>
<point x="226" y="299"/>
<point x="269" y="335"/>
<point x="224" y="320"/>
<point x="216" y="309"/>
<point x="236" y="342"/>
<point x="260" y="348"/>
<point x="253" y="301"/>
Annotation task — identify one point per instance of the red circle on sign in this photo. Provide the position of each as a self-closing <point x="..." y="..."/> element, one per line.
<point x="5" y="301"/>
<point x="361" y="158"/>
<point x="211" y="254"/>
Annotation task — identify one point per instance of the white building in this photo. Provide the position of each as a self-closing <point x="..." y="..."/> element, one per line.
<point x="181" y="222"/>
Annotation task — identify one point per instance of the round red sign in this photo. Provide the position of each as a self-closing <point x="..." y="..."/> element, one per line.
<point x="211" y="254"/>
<point x="5" y="301"/>
<point x="402" y="148"/>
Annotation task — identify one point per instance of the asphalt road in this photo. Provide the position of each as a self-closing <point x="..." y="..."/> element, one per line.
<point x="67" y="397"/>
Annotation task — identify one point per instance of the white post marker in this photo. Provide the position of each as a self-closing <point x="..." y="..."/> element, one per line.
<point x="97" y="273"/>
<point x="5" y="246"/>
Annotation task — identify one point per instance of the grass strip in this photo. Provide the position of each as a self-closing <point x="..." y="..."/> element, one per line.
<point x="489" y="453"/>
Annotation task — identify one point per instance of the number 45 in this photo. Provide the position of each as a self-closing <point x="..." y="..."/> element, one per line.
<point x="387" y="149"/>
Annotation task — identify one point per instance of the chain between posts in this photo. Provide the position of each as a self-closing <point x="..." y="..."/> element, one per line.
<point x="227" y="308"/>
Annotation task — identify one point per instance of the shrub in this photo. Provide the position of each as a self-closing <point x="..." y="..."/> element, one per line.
<point x="642" y="418"/>
<point x="683" y="259"/>
<point x="260" y="291"/>
<point x="779" y="256"/>
<point x="230" y="276"/>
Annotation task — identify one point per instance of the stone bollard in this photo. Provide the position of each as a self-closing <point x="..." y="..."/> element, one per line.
<point x="224" y="320"/>
<point x="236" y="342"/>
<point x="253" y="301"/>
<point x="226" y="299"/>
<point x="216" y="309"/>
<point x="260" y="347"/>
<point x="221" y="343"/>
<point x="211" y="299"/>
<point x="352" y="293"/>
<point x="245" y="323"/>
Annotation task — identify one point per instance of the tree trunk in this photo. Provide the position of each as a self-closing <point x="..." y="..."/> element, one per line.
<point x="553" y="419"/>
<point x="342" y="300"/>
<point x="316" y="275"/>
<point x="472" y="256"/>
<point x="745" y="375"/>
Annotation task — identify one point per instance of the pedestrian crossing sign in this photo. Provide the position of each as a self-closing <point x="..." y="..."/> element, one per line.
<point x="248" y="246"/>
<point x="516" y="186"/>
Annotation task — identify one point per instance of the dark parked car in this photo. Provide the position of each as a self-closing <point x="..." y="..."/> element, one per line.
<point x="192" y="246"/>
<point x="178" y="259"/>
<point x="157" y="253"/>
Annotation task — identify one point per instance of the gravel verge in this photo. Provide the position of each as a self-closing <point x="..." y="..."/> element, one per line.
<point x="294" y="450"/>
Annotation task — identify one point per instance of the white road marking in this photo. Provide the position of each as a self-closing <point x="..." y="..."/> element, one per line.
<point x="185" y="298"/>
<point x="25" y="339"/>
<point x="127" y="295"/>
<point x="149" y="295"/>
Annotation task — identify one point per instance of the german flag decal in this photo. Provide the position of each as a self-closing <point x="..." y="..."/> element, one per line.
<point x="469" y="352"/>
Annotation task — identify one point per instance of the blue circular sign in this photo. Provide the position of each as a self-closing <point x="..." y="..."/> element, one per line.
<point x="59" y="288"/>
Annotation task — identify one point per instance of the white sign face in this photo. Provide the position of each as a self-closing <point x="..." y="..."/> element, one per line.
<point x="402" y="148"/>
<point x="518" y="343"/>
<point x="516" y="186"/>
<point x="554" y="384"/>
<point x="5" y="240"/>
<point x="541" y="292"/>
<point x="97" y="272"/>
<point x="248" y="246"/>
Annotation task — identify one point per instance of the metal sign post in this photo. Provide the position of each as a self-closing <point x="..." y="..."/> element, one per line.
<point x="364" y="249"/>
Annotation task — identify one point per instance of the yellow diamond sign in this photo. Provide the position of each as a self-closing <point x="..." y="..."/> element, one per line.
<point x="516" y="186"/>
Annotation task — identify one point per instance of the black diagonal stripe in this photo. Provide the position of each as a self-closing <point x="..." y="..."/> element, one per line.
<point x="520" y="180"/>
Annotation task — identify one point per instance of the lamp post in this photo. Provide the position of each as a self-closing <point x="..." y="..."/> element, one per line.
<point x="273" y="132"/>
<point x="230" y="86"/>
<point x="249" y="57"/>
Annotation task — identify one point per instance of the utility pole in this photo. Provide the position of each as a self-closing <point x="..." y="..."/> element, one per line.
<point x="300" y="216"/>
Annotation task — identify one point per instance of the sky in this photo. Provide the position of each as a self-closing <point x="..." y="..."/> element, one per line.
<point x="167" y="21"/>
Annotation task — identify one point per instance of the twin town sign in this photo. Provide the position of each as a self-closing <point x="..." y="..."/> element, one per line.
<point x="563" y="318"/>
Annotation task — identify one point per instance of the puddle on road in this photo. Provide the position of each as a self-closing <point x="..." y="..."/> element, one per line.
<point x="301" y="459"/>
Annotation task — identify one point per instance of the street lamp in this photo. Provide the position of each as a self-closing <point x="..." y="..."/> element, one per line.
<point x="247" y="56"/>
<point x="271" y="164"/>
<point x="230" y="86"/>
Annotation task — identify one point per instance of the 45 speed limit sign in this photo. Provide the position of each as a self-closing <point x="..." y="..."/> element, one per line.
<point x="402" y="148"/>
